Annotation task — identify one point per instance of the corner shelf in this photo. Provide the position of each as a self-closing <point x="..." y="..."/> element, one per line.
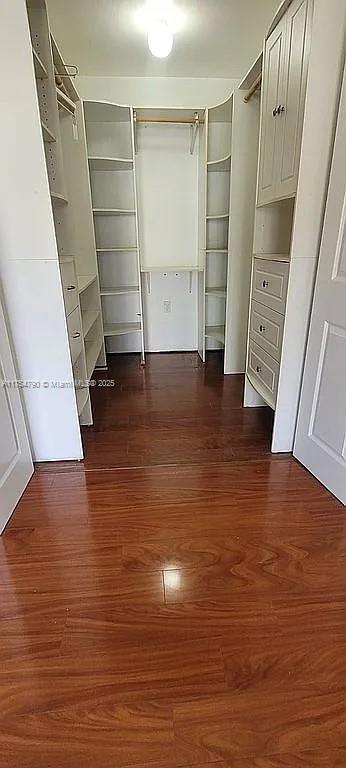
<point x="89" y="317"/>
<point x="285" y="257"/>
<point x="216" y="250"/>
<point x="56" y="197"/>
<point x="216" y="332"/>
<point x="121" y="249"/>
<point x="113" y="212"/>
<point x="118" y="291"/>
<point x="177" y="268"/>
<point x="219" y="166"/>
<point x="110" y="164"/>
<point x="218" y="217"/>
<point x="120" y="329"/>
<point x="40" y="70"/>
<point x="64" y="102"/>
<point x="217" y="292"/>
<point x="84" y="281"/>
<point x="48" y="136"/>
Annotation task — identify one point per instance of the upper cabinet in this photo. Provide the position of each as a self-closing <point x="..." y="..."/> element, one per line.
<point x="284" y="86"/>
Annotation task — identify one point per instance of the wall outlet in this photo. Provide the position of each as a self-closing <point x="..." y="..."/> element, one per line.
<point x="167" y="306"/>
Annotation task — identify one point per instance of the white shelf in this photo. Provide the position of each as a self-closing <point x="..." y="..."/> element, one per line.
<point x="120" y="329"/>
<point x="176" y="268"/>
<point x="218" y="217"/>
<point x="285" y="257"/>
<point x="113" y="212"/>
<point x="84" y="281"/>
<point x="220" y="166"/>
<point x="110" y="164"/>
<point x="64" y="102"/>
<point x="40" y="70"/>
<point x="216" y="250"/>
<point x="218" y="292"/>
<point x="122" y="249"/>
<point x="59" y="199"/>
<point x="48" y="136"/>
<point x="89" y="317"/>
<point x="121" y="289"/>
<point x="93" y="349"/>
<point x="82" y="396"/>
<point x="216" y="332"/>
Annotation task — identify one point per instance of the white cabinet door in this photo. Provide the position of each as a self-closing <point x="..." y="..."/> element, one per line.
<point x="272" y="90"/>
<point x="321" y="431"/>
<point x="15" y="459"/>
<point x="291" y="108"/>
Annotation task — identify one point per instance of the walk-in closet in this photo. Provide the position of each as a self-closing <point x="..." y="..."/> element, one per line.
<point x="167" y="216"/>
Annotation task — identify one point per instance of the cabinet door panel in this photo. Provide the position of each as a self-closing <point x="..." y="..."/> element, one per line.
<point x="273" y="66"/>
<point x="297" y="46"/>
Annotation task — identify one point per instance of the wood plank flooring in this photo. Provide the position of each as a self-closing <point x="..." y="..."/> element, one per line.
<point x="188" y="614"/>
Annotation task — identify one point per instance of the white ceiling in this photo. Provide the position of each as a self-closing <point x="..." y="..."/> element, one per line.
<point x="217" y="38"/>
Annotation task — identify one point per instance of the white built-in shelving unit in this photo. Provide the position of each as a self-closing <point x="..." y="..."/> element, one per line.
<point x="63" y="132"/>
<point x="110" y="141"/>
<point x="163" y="203"/>
<point x="217" y="222"/>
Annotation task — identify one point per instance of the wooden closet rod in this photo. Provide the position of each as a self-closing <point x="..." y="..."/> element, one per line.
<point x="255" y="87"/>
<point x="169" y="122"/>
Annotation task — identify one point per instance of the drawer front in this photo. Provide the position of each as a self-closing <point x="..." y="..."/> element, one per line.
<point x="70" y="286"/>
<point x="263" y="372"/>
<point x="74" y="325"/>
<point x="266" y="329"/>
<point x="270" y="280"/>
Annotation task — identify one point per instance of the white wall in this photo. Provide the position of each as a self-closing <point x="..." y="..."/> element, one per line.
<point x="197" y="92"/>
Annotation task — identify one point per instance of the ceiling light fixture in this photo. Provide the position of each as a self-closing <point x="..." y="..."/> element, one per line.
<point x="160" y="38"/>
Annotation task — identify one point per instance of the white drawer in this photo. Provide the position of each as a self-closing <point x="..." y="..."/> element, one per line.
<point x="263" y="372"/>
<point x="74" y="325"/>
<point x="270" y="280"/>
<point x="266" y="328"/>
<point x="70" y="286"/>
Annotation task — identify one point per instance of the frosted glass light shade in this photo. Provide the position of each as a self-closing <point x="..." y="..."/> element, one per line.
<point x="160" y="39"/>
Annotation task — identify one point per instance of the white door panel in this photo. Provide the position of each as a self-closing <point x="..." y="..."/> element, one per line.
<point x="321" y="431"/>
<point x="15" y="459"/>
<point x="274" y="53"/>
<point x="297" y="49"/>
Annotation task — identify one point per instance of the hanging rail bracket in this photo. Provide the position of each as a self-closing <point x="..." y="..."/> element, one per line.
<point x="135" y="122"/>
<point x="194" y="132"/>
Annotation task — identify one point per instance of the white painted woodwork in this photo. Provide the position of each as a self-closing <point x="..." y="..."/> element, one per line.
<point x="112" y="167"/>
<point x="16" y="465"/>
<point x="266" y="328"/>
<point x="245" y="131"/>
<point x="296" y="57"/>
<point x="269" y="287"/>
<point x="70" y="285"/>
<point x="263" y="372"/>
<point x="325" y="74"/>
<point x="29" y="258"/>
<point x="286" y="59"/>
<point x="321" y="431"/>
<point x="271" y="90"/>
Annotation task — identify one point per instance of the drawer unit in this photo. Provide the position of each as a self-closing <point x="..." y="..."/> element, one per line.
<point x="266" y="329"/>
<point x="74" y="325"/>
<point x="263" y="372"/>
<point x="70" y="286"/>
<point x="270" y="280"/>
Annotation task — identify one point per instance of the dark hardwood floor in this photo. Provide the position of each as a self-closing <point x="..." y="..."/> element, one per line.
<point x="172" y="411"/>
<point x="191" y="613"/>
